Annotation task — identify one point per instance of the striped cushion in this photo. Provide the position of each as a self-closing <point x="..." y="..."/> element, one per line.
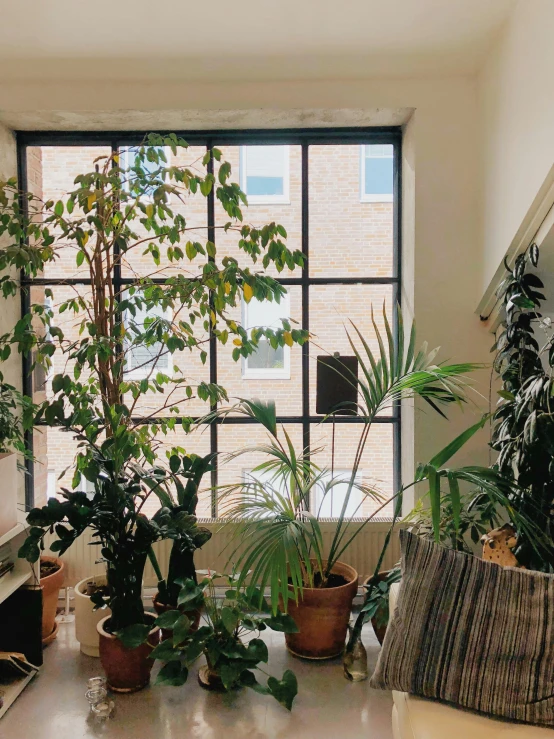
<point x="471" y="633"/>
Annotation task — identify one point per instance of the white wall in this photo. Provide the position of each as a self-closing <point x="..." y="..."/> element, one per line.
<point x="516" y="96"/>
<point x="443" y="158"/>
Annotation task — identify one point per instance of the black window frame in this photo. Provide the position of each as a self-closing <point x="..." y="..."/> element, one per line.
<point x="304" y="137"/>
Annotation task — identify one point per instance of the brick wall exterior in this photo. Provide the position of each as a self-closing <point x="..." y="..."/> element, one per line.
<point x="347" y="238"/>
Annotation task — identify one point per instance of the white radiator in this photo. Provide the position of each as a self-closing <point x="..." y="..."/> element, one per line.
<point x="362" y="554"/>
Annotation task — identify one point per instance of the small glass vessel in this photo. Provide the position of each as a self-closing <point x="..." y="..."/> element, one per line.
<point x="354" y="660"/>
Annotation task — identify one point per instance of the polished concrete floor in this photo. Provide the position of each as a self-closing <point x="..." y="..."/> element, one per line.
<point x="327" y="706"/>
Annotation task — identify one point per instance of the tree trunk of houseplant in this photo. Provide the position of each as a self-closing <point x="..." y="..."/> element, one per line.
<point x="51" y="585"/>
<point x="86" y="618"/>
<point x="322" y="616"/>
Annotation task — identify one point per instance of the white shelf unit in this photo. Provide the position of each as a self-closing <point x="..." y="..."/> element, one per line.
<point x="22" y="573"/>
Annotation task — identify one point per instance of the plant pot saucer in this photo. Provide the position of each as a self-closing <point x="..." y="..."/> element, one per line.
<point x="53" y="634"/>
<point x="312" y="659"/>
<point x="209" y="681"/>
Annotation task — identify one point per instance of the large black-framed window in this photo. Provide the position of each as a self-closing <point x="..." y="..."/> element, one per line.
<point x="306" y="283"/>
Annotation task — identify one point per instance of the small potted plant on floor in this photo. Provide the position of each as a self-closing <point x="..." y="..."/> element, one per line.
<point x="229" y="640"/>
<point x="280" y="542"/>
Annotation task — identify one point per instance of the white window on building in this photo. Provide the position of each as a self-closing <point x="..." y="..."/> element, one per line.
<point x="264" y="173"/>
<point x="376" y="175"/>
<point x="141" y="359"/>
<point x="127" y="159"/>
<point x="266" y="363"/>
<point x="329" y="505"/>
<point x="51" y="480"/>
<point x="86" y="486"/>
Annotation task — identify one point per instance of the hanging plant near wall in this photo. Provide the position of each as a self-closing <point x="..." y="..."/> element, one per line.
<point x="523" y="424"/>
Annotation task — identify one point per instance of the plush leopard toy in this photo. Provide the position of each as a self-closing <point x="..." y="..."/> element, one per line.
<point x="498" y="545"/>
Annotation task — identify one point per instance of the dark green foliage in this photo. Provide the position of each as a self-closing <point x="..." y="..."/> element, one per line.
<point x="523" y="432"/>
<point x="123" y="534"/>
<point x="229" y="638"/>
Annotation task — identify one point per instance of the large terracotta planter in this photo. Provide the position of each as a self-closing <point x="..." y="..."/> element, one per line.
<point x="127" y="670"/>
<point x="51" y="586"/>
<point x="86" y="618"/>
<point x="322" y="616"/>
<point x="160" y="608"/>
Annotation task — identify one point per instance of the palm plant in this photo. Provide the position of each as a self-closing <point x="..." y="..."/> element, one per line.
<point x="280" y="538"/>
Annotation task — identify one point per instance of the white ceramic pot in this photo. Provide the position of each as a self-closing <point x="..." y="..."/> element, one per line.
<point x="86" y="618"/>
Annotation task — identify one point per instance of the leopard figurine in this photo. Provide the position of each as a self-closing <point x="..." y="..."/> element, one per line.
<point x="498" y="546"/>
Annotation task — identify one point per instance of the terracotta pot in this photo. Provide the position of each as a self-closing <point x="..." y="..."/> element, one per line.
<point x="86" y="618"/>
<point x="160" y="608"/>
<point x="322" y="616"/>
<point x="127" y="670"/>
<point x="50" y="586"/>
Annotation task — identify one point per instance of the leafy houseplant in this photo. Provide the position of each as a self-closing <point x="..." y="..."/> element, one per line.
<point x="226" y="639"/>
<point x="281" y="541"/>
<point x="523" y="433"/>
<point x="113" y="213"/>
<point x="181" y="559"/>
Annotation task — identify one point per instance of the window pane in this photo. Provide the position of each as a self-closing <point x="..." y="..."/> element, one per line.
<point x="264" y="172"/>
<point x="194" y="208"/>
<point x="376" y="469"/>
<point x="235" y="437"/>
<point x="269" y="374"/>
<point x="284" y="209"/>
<point x="378" y="170"/>
<point x="348" y="237"/>
<point x="332" y="307"/>
<point x="51" y="172"/>
<point x="57" y="464"/>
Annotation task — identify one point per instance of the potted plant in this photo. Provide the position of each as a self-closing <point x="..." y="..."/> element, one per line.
<point x="88" y="614"/>
<point x="280" y="537"/>
<point x="229" y="639"/>
<point x="125" y="537"/>
<point x="181" y="558"/>
<point x="52" y="573"/>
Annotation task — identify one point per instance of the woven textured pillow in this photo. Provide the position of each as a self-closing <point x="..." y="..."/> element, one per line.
<point x="471" y="633"/>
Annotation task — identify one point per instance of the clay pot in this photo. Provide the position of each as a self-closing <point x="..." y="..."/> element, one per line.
<point x="322" y="616"/>
<point x="194" y="616"/>
<point x="86" y="618"/>
<point x="209" y="679"/>
<point x="51" y="586"/>
<point x="127" y="670"/>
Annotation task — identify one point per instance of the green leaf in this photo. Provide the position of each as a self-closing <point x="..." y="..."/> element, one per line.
<point x="257" y="651"/>
<point x="167" y="620"/>
<point x="173" y="673"/>
<point x="59" y="208"/>
<point x="164" y="651"/>
<point x="134" y="635"/>
<point x="230" y="618"/>
<point x="435" y="499"/>
<point x="174" y="463"/>
<point x="181" y="629"/>
<point x="440" y="459"/>
<point x="284" y="690"/>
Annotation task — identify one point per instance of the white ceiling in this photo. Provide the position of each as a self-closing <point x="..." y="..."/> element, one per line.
<point x="138" y="39"/>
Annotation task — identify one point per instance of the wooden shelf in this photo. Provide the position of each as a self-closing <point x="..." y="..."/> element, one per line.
<point x="12" y="533"/>
<point x="10" y="691"/>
